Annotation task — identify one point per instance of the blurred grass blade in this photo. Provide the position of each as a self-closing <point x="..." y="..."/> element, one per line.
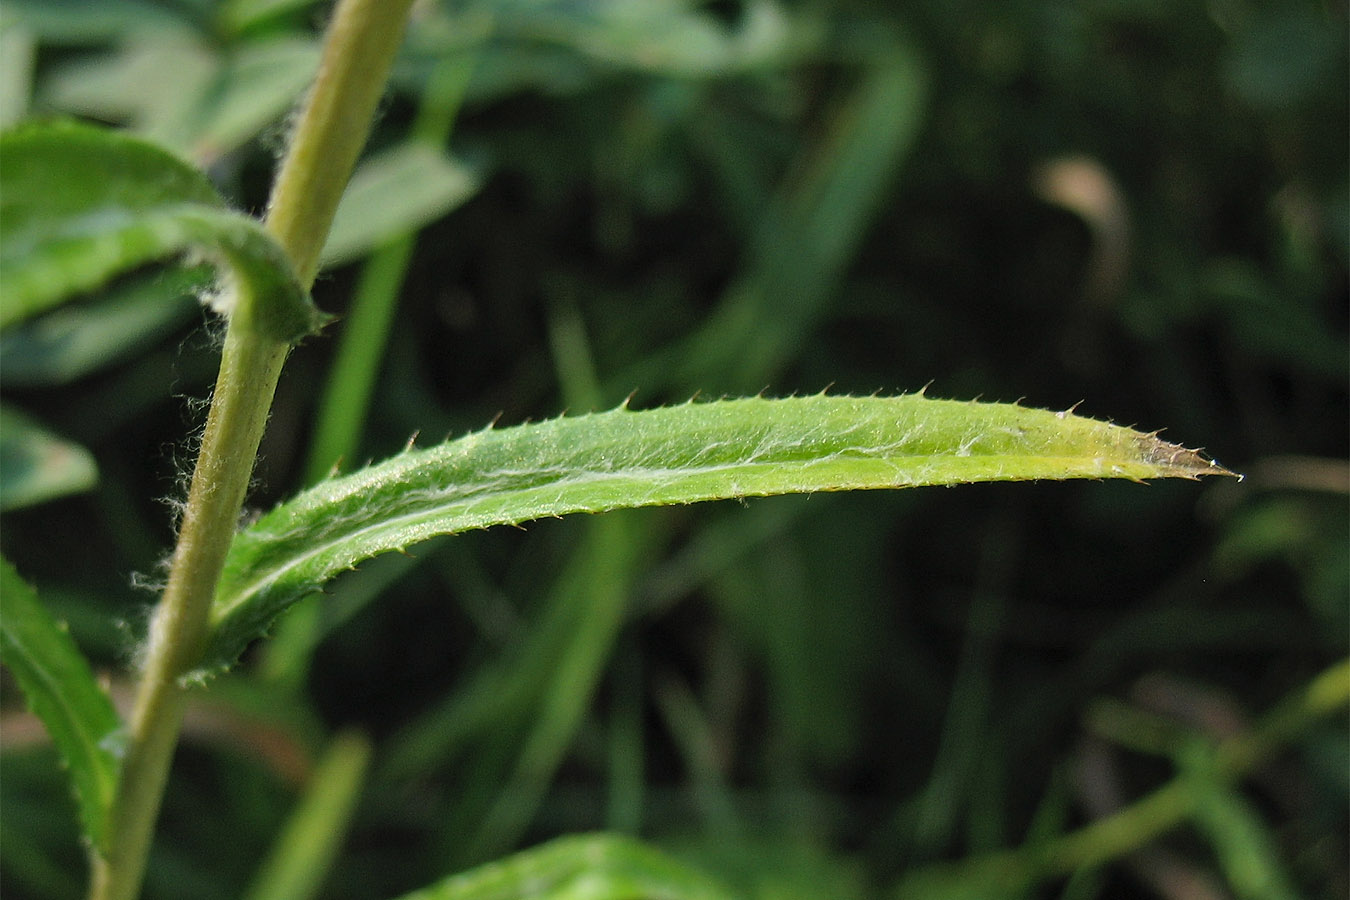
<point x="696" y="741"/>
<point x="589" y="601"/>
<point x="1144" y="820"/>
<point x="808" y="234"/>
<point x="504" y="697"/>
<point x="80" y="204"/>
<point x="36" y="465"/>
<point x="305" y="851"/>
<point x="346" y="398"/>
<point x="682" y="454"/>
<point x="60" y="690"/>
<point x="1243" y="844"/>
<point x="595" y="587"/>
<point x="585" y="867"/>
<point x="290" y="653"/>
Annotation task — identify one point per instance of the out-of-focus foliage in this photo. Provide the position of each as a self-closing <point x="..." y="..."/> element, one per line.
<point x="1135" y="204"/>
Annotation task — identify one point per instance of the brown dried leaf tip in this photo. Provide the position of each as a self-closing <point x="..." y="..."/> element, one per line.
<point x="1176" y="461"/>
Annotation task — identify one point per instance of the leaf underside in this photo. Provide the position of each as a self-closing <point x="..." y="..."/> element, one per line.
<point x="80" y="205"/>
<point x="682" y="454"/>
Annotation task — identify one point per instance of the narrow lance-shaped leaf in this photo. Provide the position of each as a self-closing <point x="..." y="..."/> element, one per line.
<point x="79" y="205"/>
<point x="682" y="454"/>
<point x="60" y="690"/>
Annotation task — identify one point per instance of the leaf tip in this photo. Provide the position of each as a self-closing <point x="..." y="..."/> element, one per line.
<point x="1178" y="461"/>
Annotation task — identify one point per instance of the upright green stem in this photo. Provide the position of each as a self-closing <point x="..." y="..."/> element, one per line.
<point x="362" y="39"/>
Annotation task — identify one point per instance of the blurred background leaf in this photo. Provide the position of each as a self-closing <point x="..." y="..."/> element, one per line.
<point x="36" y="465"/>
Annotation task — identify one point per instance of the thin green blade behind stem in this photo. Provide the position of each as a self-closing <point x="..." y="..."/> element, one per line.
<point x="346" y="398"/>
<point x="60" y="690"/>
<point x="682" y="454"/>
<point x="304" y="853"/>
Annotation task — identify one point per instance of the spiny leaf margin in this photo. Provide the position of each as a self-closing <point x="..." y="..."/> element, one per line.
<point x="61" y="691"/>
<point x="609" y="866"/>
<point x="673" y="455"/>
<point x="80" y="204"/>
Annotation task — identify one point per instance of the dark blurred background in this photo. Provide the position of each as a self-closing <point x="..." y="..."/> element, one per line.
<point x="1136" y="206"/>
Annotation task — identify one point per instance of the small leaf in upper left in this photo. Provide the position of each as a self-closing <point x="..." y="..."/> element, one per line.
<point x="80" y="204"/>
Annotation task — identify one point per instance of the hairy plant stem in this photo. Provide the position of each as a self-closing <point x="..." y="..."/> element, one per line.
<point x="248" y="374"/>
<point x="361" y="42"/>
<point x="363" y="37"/>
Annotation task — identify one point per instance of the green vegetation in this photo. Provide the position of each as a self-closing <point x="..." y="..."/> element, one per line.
<point x="1071" y="690"/>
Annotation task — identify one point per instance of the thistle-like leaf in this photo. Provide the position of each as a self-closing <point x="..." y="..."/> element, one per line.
<point x="681" y="454"/>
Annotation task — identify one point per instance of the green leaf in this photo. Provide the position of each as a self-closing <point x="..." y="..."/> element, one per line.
<point x="584" y="867"/>
<point x="657" y="36"/>
<point x="239" y="16"/>
<point x="79" y="339"/>
<point x="777" y="866"/>
<point x="61" y="691"/>
<point x="219" y="96"/>
<point x="80" y="204"/>
<point x="682" y="454"/>
<point x="394" y="193"/>
<point x="127" y="84"/>
<point x="36" y="465"/>
<point x="257" y="84"/>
